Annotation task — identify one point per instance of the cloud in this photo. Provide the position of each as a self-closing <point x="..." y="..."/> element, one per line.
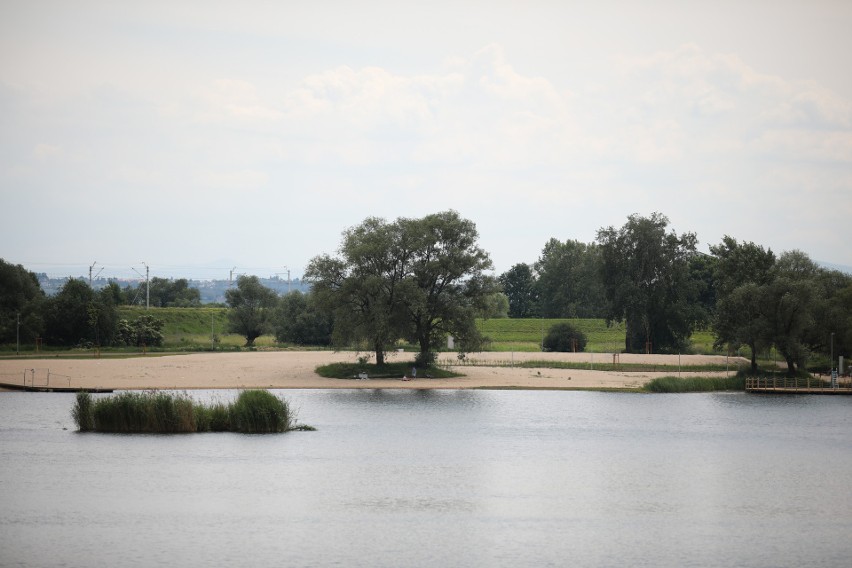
<point x="222" y="182"/>
<point x="232" y="100"/>
<point x="47" y="151"/>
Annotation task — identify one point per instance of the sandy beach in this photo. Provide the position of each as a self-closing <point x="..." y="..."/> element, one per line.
<point x="295" y="370"/>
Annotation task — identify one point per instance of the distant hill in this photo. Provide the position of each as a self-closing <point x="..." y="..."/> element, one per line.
<point x="832" y="266"/>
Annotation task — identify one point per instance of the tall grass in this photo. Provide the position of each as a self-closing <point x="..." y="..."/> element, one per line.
<point x="156" y="412"/>
<point x="259" y="412"/>
<point x="696" y="384"/>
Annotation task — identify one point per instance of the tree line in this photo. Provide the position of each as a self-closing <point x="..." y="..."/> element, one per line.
<point x="422" y="280"/>
<point x="655" y="281"/>
<point x="80" y="316"/>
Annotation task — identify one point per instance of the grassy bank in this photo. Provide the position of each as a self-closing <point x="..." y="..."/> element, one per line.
<point x="386" y="371"/>
<point x="157" y="412"/>
<point x="601" y="364"/>
<point x="696" y="384"/>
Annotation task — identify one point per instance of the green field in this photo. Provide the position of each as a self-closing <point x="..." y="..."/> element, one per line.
<point x="192" y="329"/>
<point x="526" y="334"/>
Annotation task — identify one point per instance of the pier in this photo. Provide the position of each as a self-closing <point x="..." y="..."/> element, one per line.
<point x="39" y="380"/>
<point x="797" y="385"/>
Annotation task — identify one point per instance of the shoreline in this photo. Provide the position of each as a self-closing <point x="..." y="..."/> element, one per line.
<point x="295" y="370"/>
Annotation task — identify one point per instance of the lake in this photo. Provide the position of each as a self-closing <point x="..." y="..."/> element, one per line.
<point x="440" y="478"/>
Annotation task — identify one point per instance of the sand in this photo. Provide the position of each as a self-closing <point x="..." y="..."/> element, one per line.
<point x="295" y="370"/>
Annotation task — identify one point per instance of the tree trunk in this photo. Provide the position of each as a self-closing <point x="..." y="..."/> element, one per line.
<point x="791" y="365"/>
<point x="425" y="348"/>
<point x="380" y="353"/>
<point x="753" y="358"/>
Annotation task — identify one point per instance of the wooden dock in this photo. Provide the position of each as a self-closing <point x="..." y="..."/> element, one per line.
<point x="797" y="385"/>
<point x="42" y="380"/>
<point x="43" y="388"/>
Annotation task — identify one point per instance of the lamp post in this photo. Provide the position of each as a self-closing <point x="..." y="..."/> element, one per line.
<point x="832" y="351"/>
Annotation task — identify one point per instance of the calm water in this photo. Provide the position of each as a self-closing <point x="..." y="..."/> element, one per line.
<point x="436" y="478"/>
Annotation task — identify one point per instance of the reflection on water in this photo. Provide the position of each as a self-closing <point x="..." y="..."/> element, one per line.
<point x="455" y="478"/>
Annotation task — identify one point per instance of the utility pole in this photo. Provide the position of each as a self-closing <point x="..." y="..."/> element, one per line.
<point x="96" y="275"/>
<point x="289" y="286"/>
<point x="147" y="286"/>
<point x="147" y="283"/>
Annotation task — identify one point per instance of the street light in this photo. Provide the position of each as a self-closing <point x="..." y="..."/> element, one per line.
<point x="832" y="351"/>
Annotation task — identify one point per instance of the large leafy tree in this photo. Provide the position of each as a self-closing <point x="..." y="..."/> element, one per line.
<point x="173" y="293"/>
<point x="646" y="279"/>
<point x="741" y="319"/>
<point x="743" y="311"/>
<point x="794" y="297"/>
<point x="790" y="303"/>
<point x="298" y="320"/>
<point x="360" y="286"/>
<point x="519" y="285"/>
<point x="569" y="280"/>
<point x="251" y="305"/>
<point x="164" y="293"/>
<point x="447" y="285"/>
<point x="419" y="279"/>
<point x="78" y="315"/>
<point x="21" y="300"/>
<point x="740" y="263"/>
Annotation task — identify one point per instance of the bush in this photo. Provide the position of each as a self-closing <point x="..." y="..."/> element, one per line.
<point x="563" y="337"/>
<point x="145" y="330"/>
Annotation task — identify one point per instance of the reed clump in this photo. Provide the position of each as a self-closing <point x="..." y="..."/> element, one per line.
<point x="696" y="384"/>
<point x="157" y="412"/>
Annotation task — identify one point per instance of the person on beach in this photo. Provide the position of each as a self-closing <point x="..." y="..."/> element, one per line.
<point x="413" y="372"/>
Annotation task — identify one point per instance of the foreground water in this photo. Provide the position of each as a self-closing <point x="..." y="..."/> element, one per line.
<point x="441" y="478"/>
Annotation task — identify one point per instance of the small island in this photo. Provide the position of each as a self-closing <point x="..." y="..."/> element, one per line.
<point x="158" y="412"/>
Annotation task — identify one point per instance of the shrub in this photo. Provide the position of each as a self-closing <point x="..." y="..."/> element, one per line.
<point x="563" y="337"/>
<point x="144" y="330"/>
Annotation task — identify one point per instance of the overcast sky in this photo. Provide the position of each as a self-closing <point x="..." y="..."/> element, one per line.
<point x="199" y="136"/>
